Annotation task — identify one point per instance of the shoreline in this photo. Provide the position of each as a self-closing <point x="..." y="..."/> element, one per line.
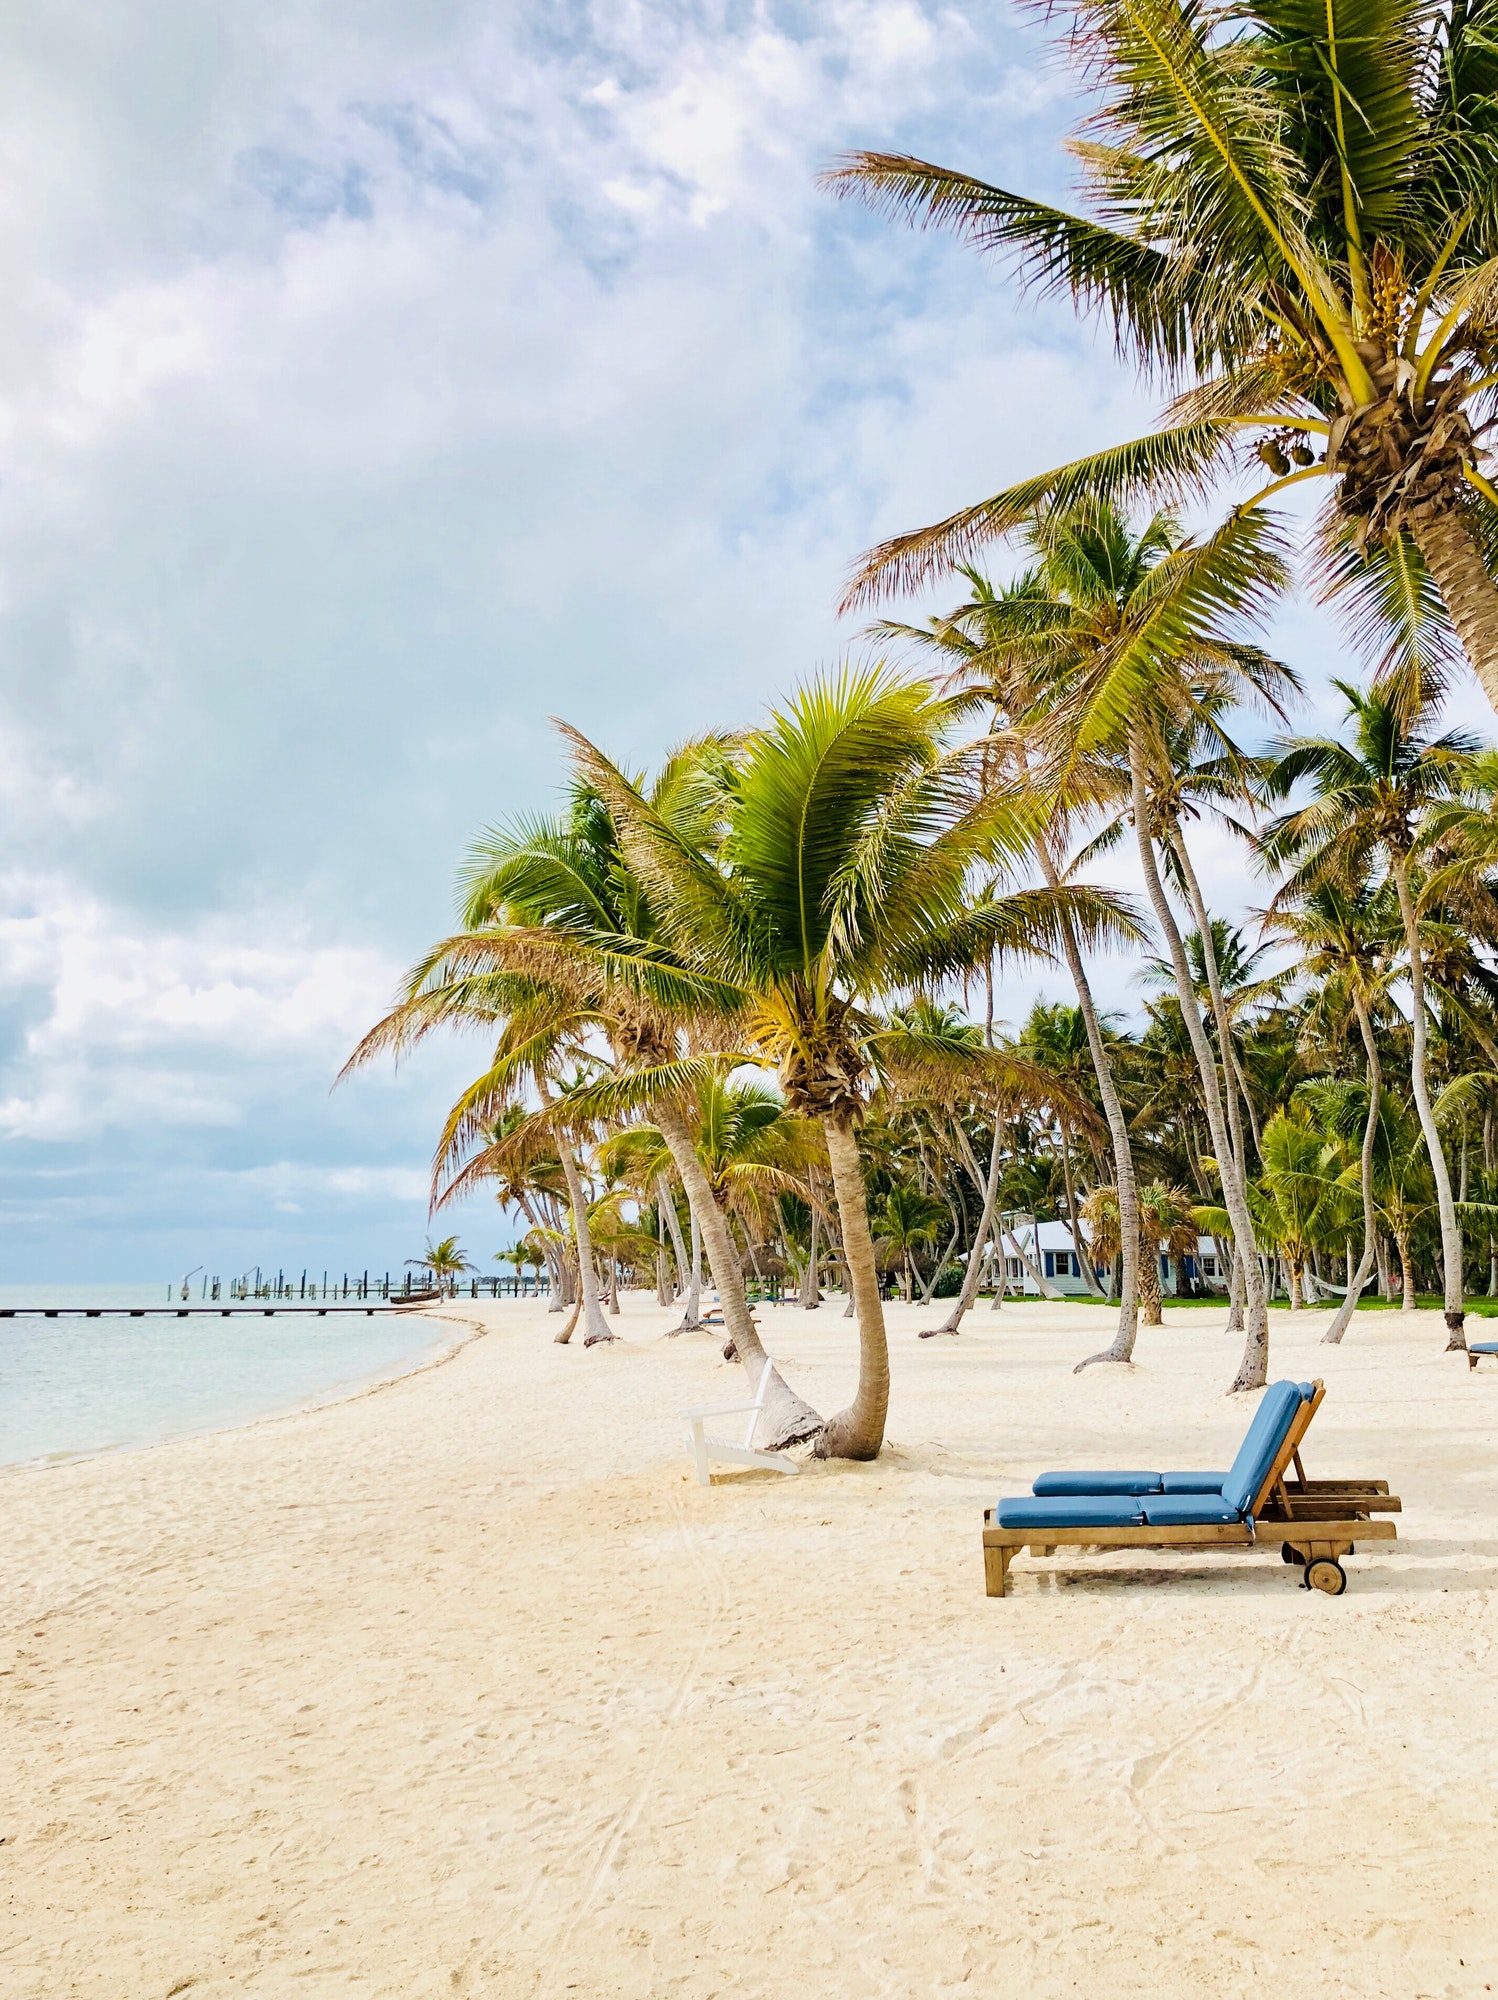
<point x="329" y="1399"/>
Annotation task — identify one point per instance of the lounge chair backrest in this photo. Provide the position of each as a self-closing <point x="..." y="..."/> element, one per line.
<point x="1261" y="1446"/>
<point x="1312" y="1396"/>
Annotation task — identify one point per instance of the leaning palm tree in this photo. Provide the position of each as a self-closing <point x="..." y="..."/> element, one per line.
<point x="1138" y="649"/>
<point x="849" y="833"/>
<point x="1292" y="223"/>
<point x="1000" y="646"/>
<point x="1342" y="939"/>
<point x="1302" y="1195"/>
<point x="1370" y="794"/>
<point x="930" y="1059"/>
<point x="1055" y="1038"/>
<point x="561" y="931"/>
<point x="748" y="1146"/>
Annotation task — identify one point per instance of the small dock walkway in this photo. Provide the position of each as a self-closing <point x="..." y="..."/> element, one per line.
<point x="397" y="1304"/>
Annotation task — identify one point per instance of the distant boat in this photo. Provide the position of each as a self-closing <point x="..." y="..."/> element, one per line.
<point x="421" y="1298"/>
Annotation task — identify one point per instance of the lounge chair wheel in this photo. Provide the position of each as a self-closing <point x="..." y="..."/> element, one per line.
<point x="1325" y="1573"/>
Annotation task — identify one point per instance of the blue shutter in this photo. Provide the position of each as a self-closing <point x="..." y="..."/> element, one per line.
<point x="1050" y="1264"/>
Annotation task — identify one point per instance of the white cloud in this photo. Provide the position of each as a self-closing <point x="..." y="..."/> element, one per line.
<point x="373" y="384"/>
<point x="140" y="1026"/>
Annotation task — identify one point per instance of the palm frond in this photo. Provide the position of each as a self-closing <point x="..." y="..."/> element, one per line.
<point x="1171" y="465"/>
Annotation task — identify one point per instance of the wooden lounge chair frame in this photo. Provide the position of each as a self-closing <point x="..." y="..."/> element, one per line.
<point x="1320" y="1521"/>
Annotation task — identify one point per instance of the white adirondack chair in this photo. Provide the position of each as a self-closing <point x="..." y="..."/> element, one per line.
<point x="733" y="1451"/>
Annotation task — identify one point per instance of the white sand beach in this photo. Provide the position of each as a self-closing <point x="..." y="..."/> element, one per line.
<point x="464" y="1686"/>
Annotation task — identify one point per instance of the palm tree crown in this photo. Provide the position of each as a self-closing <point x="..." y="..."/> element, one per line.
<point x="1372" y="794"/>
<point x="1291" y="220"/>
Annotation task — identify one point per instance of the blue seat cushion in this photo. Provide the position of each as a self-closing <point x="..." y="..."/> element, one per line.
<point x="1099" y="1482"/>
<point x="1265" y="1435"/>
<point x="1083" y="1510"/>
<point x="1191" y="1482"/>
<point x="1185" y="1510"/>
<point x="1482" y="1347"/>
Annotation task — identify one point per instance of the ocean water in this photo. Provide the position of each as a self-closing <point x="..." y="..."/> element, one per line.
<point x="71" y="1386"/>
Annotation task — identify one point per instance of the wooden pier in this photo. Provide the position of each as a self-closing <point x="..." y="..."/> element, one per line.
<point x="263" y="1297"/>
<point x="397" y="1304"/>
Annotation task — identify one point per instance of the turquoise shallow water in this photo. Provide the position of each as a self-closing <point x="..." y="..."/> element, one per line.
<point x="69" y="1386"/>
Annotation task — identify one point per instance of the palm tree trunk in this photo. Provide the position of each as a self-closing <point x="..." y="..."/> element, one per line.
<point x="988" y="1189"/>
<point x="858" y="1431"/>
<point x="1343" y="1317"/>
<point x="553" y="1264"/>
<point x="595" y="1326"/>
<point x="1451" y="1235"/>
<point x="811" y="1296"/>
<point x="1253" y="1370"/>
<point x="692" y="1317"/>
<point x="1122" y="1348"/>
<point x="1043" y="1284"/>
<point x="1467" y="590"/>
<point x="787" y="1418"/>
<point x="1149" y="1286"/>
<point x="1232" y="1076"/>
<point x="1084" y="1262"/>
<point x="941" y="1263"/>
<point x="1296" y="1294"/>
<point x="1409" y="1300"/>
<point x="673" y="1222"/>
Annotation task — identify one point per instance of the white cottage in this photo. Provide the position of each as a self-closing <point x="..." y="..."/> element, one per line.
<point x="1048" y="1247"/>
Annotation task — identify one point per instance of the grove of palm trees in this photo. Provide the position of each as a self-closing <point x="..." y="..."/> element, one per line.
<point x="755" y="1021"/>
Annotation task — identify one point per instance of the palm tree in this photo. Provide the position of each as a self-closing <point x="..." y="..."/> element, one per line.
<point x="933" y="1063"/>
<point x="1000" y="645"/>
<point x="1300" y="1196"/>
<point x="552" y="914"/>
<point x="1138" y="647"/>
<point x="1168" y="1223"/>
<point x="748" y="1146"/>
<point x="518" y="1256"/>
<point x="1056" y="1039"/>
<point x="535" y="1182"/>
<point x="1291" y="221"/>
<point x="1101" y="1213"/>
<point x="445" y="1261"/>
<point x="541" y="1037"/>
<point x="1221" y="956"/>
<point x="1342" y="939"/>
<point x="907" y="1221"/>
<point x="556" y="907"/>
<point x="1403" y="1184"/>
<point x="849" y="832"/>
<point x="1370" y="795"/>
<point x="529" y="1254"/>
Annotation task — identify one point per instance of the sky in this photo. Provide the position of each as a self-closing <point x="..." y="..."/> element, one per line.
<point x="378" y="381"/>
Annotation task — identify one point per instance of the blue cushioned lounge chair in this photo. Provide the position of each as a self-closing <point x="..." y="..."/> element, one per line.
<point x="1318" y="1520"/>
<point x="1480" y="1347"/>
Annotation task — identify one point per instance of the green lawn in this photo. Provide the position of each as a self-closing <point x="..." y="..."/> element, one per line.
<point x="1478" y="1308"/>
